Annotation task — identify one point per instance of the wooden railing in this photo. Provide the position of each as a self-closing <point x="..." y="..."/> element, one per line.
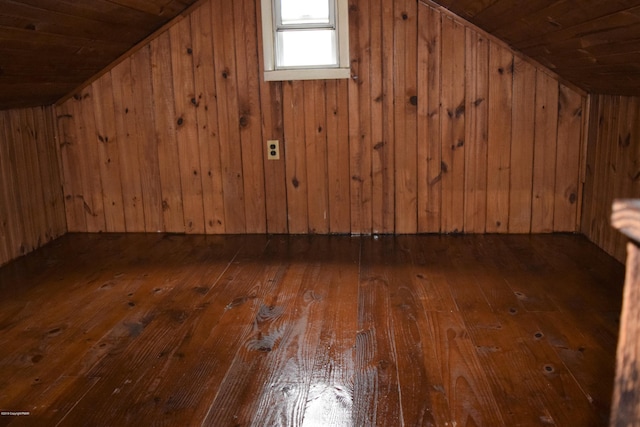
<point x="625" y="408"/>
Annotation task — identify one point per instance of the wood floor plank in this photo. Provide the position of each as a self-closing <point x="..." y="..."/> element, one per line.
<point x="143" y="345"/>
<point x="208" y="342"/>
<point x="540" y="389"/>
<point x="465" y="383"/>
<point x="525" y="273"/>
<point x="583" y="355"/>
<point x="308" y="377"/>
<point x="51" y="347"/>
<point x="440" y="375"/>
<point x="487" y="272"/>
<point x="604" y="290"/>
<point x="330" y="399"/>
<point x="480" y="323"/>
<point x="268" y="376"/>
<point x="420" y="390"/>
<point x="95" y="342"/>
<point x="377" y="390"/>
<point x="434" y="288"/>
<point x="162" y="329"/>
<point x="545" y="279"/>
<point x="82" y="276"/>
<point x="591" y="261"/>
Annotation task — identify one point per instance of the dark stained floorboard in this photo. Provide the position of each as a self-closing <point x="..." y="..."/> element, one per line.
<point x="138" y="329"/>
<point x="377" y="384"/>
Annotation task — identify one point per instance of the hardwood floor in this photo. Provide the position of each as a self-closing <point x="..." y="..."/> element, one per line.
<point x="114" y="330"/>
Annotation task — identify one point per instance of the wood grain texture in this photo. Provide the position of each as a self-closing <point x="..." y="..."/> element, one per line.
<point x="612" y="167"/>
<point x="127" y="134"/>
<point x="53" y="47"/>
<point x="296" y="158"/>
<point x="382" y="170"/>
<point x="476" y="135"/>
<point x="207" y="118"/>
<point x="359" y="93"/>
<point x="108" y="154"/>
<point x="405" y="115"/>
<point x="248" y="113"/>
<point x="316" y="151"/>
<point x="453" y="127"/>
<point x="626" y="400"/>
<point x="429" y="130"/>
<point x="624" y="159"/>
<point x="338" y="158"/>
<point x="500" y="137"/>
<point x="149" y="165"/>
<point x="273" y="129"/>
<point x="568" y="155"/>
<point x="185" y="103"/>
<point x="32" y="174"/>
<point x="545" y="161"/>
<point x="230" y="147"/>
<point x="32" y="203"/>
<point x="371" y="154"/>
<point x="598" y="140"/>
<point x="520" y="191"/>
<point x="165" y="135"/>
<point x="23" y="182"/>
<point x="91" y="182"/>
<point x="74" y="210"/>
<point x="593" y="45"/>
<point x="485" y="330"/>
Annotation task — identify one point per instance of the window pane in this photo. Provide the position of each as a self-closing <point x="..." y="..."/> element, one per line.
<point x="307" y="48"/>
<point x="305" y="12"/>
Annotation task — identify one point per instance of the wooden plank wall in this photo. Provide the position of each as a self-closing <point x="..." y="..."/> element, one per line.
<point x="613" y="167"/>
<point x="31" y="204"/>
<point x="440" y="129"/>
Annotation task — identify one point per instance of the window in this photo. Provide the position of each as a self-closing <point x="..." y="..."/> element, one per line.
<point x="305" y="39"/>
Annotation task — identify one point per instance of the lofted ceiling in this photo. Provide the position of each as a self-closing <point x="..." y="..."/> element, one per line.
<point x="49" y="47"/>
<point x="594" y="44"/>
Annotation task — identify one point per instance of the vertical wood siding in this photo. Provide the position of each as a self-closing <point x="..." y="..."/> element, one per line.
<point x="441" y="128"/>
<point x="613" y="167"/>
<point x="31" y="201"/>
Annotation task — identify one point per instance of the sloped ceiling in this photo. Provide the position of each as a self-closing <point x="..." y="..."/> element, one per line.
<point x="49" y="47"/>
<point x="594" y="44"/>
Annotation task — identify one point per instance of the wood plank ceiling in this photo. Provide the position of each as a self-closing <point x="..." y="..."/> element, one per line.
<point x="49" y="47"/>
<point x="594" y="44"/>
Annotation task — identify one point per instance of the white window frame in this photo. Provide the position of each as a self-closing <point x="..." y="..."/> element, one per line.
<point x="321" y="72"/>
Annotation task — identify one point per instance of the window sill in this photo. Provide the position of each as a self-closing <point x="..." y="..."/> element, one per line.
<point x="307" y="74"/>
